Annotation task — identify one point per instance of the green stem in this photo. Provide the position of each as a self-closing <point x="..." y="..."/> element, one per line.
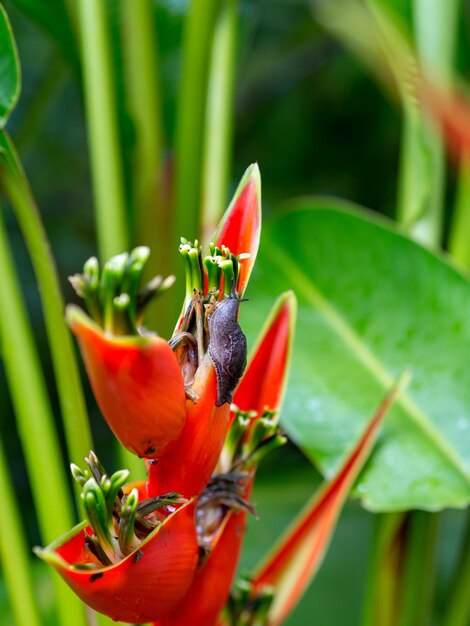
<point x="458" y="606"/>
<point x="459" y="239"/>
<point x="401" y="573"/>
<point x="35" y="423"/>
<point x="197" y="45"/>
<point x="380" y="605"/>
<point x="149" y="191"/>
<point x="417" y="582"/>
<point x="103" y="131"/>
<point x="219" y="120"/>
<point x="423" y="157"/>
<point x="14" y="554"/>
<point x="105" y="149"/>
<point x="143" y="92"/>
<point x="74" y="414"/>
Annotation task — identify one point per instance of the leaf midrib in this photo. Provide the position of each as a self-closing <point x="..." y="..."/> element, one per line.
<point x="343" y="329"/>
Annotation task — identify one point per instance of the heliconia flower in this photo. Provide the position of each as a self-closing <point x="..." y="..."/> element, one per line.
<point x="211" y="587"/>
<point x="145" y="585"/>
<point x="140" y="381"/>
<point x="287" y="571"/>
<point x="137" y="383"/>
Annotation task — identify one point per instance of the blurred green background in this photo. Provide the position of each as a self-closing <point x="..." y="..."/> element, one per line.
<point x="315" y="122"/>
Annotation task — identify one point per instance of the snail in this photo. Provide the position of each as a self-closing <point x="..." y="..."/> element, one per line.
<point x="227" y="346"/>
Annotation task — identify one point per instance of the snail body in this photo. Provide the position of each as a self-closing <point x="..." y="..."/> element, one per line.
<point x="227" y="347"/>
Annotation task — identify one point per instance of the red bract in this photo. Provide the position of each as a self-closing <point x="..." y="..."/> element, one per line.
<point x="209" y="592"/>
<point x="187" y="468"/>
<point x="137" y="383"/>
<point x="145" y="585"/>
<point x="240" y="227"/>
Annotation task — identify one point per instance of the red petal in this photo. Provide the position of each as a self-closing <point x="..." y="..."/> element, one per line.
<point x="298" y="555"/>
<point x="263" y="383"/>
<point x="144" y="586"/>
<point x="240" y="227"/>
<point x="187" y="467"/>
<point x="137" y="383"/>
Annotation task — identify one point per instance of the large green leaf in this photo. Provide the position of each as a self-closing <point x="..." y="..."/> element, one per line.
<point x="10" y="80"/>
<point x="372" y="303"/>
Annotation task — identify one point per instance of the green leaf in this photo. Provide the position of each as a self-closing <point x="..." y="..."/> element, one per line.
<point x="372" y="303"/>
<point x="10" y="78"/>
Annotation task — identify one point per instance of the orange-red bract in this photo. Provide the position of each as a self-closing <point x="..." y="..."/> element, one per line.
<point x="211" y="586"/>
<point x="240" y="227"/>
<point x="137" y="383"/>
<point x="144" y="586"/>
<point x="189" y="465"/>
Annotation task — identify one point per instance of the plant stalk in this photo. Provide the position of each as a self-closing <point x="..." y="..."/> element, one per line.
<point x="422" y="167"/>
<point x="458" y="606"/>
<point x="35" y="424"/>
<point x="14" y="554"/>
<point x="459" y="238"/>
<point x="105" y="148"/>
<point x="418" y="576"/>
<point x="380" y="603"/>
<point x="219" y="120"/>
<point x="74" y="414"/>
<point x="103" y="130"/>
<point x="149" y="185"/>
<point x="143" y="93"/>
<point x="191" y="115"/>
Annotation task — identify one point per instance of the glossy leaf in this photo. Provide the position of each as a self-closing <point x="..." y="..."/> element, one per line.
<point x="372" y="302"/>
<point x="10" y="80"/>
